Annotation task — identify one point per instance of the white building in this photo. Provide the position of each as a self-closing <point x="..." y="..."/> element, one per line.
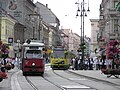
<point x="94" y="34"/>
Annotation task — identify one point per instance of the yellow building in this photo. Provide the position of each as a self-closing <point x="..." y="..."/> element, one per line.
<point x="7" y="29"/>
<point x="6" y="32"/>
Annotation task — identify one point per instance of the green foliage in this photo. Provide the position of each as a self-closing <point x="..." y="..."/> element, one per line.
<point x="3" y="50"/>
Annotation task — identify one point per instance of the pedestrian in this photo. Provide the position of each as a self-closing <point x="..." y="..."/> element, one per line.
<point x="90" y="60"/>
<point x="86" y="64"/>
<point x="13" y="63"/>
<point x="3" y="67"/>
<point x="73" y="63"/>
<point x="79" y="62"/>
<point x="100" y="63"/>
<point x="97" y="64"/>
<point x="76" y="63"/>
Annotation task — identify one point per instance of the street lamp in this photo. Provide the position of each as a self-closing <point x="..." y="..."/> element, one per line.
<point x="25" y="28"/>
<point x="18" y="53"/>
<point x="83" y="12"/>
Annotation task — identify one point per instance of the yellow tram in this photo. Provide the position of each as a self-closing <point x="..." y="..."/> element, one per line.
<point x="58" y="59"/>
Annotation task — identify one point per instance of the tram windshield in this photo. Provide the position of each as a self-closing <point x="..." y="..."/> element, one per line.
<point x="58" y="54"/>
<point x="33" y="54"/>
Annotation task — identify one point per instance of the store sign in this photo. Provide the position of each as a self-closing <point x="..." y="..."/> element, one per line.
<point x="17" y="13"/>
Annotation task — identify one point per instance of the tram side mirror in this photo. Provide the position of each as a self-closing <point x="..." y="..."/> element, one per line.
<point x="43" y="55"/>
<point x="44" y="49"/>
<point x="66" y="53"/>
<point x="25" y="56"/>
<point x="28" y="41"/>
<point x="51" y="56"/>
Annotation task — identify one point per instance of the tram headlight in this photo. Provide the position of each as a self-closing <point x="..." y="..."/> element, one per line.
<point x="33" y="64"/>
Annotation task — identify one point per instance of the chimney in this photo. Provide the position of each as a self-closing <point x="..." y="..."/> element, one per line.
<point x="46" y="5"/>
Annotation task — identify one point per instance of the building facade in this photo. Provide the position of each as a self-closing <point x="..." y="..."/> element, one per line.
<point x="70" y="40"/>
<point x="7" y="29"/>
<point x="20" y="10"/>
<point x="76" y="43"/>
<point x="94" y="36"/>
<point x="49" y="17"/>
<point x="109" y="20"/>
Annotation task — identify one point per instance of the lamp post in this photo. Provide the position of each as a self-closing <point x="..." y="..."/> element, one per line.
<point x="18" y="54"/>
<point x="25" y="28"/>
<point x="40" y="27"/>
<point x="82" y="11"/>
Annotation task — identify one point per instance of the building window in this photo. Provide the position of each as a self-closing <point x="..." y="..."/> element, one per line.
<point x="115" y="26"/>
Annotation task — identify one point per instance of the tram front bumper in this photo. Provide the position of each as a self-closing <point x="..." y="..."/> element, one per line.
<point x="60" y="66"/>
<point x="31" y="69"/>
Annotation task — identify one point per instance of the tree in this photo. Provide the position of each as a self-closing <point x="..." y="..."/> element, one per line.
<point x="113" y="51"/>
<point x="4" y="51"/>
<point x="3" y="54"/>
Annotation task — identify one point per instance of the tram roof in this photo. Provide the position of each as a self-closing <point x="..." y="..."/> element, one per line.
<point x="34" y="44"/>
<point x="59" y="49"/>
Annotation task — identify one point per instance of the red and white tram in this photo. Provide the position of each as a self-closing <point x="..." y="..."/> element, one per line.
<point x="32" y="57"/>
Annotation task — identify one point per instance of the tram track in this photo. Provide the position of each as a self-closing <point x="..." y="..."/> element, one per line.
<point x="62" y="75"/>
<point x="35" y="87"/>
<point x="92" y="78"/>
<point x="90" y="88"/>
<point x="53" y="83"/>
<point x="31" y="83"/>
<point x="58" y="85"/>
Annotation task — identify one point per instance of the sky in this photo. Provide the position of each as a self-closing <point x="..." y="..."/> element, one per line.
<point x="66" y="10"/>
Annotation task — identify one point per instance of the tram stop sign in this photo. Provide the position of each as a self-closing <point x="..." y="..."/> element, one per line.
<point x="10" y="40"/>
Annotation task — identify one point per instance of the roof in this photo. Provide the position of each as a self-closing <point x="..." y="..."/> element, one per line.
<point x="34" y="44"/>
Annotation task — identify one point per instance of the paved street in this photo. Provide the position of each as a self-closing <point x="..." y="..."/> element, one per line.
<point x="97" y="75"/>
<point x="94" y="74"/>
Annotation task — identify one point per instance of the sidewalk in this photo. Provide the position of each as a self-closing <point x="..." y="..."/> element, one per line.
<point x="96" y="74"/>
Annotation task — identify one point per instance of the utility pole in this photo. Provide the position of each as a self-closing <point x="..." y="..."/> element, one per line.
<point x="82" y="15"/>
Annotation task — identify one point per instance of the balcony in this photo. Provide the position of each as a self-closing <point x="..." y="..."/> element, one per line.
<point x="102" y="20"/>
<point x="112" y="12"/>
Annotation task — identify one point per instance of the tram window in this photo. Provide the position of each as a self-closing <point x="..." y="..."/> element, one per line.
<point x="58" y="54"/>
<point x="33" y="51"/>
<point x="34" y="47"/>
<point x="33" y="54"/>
